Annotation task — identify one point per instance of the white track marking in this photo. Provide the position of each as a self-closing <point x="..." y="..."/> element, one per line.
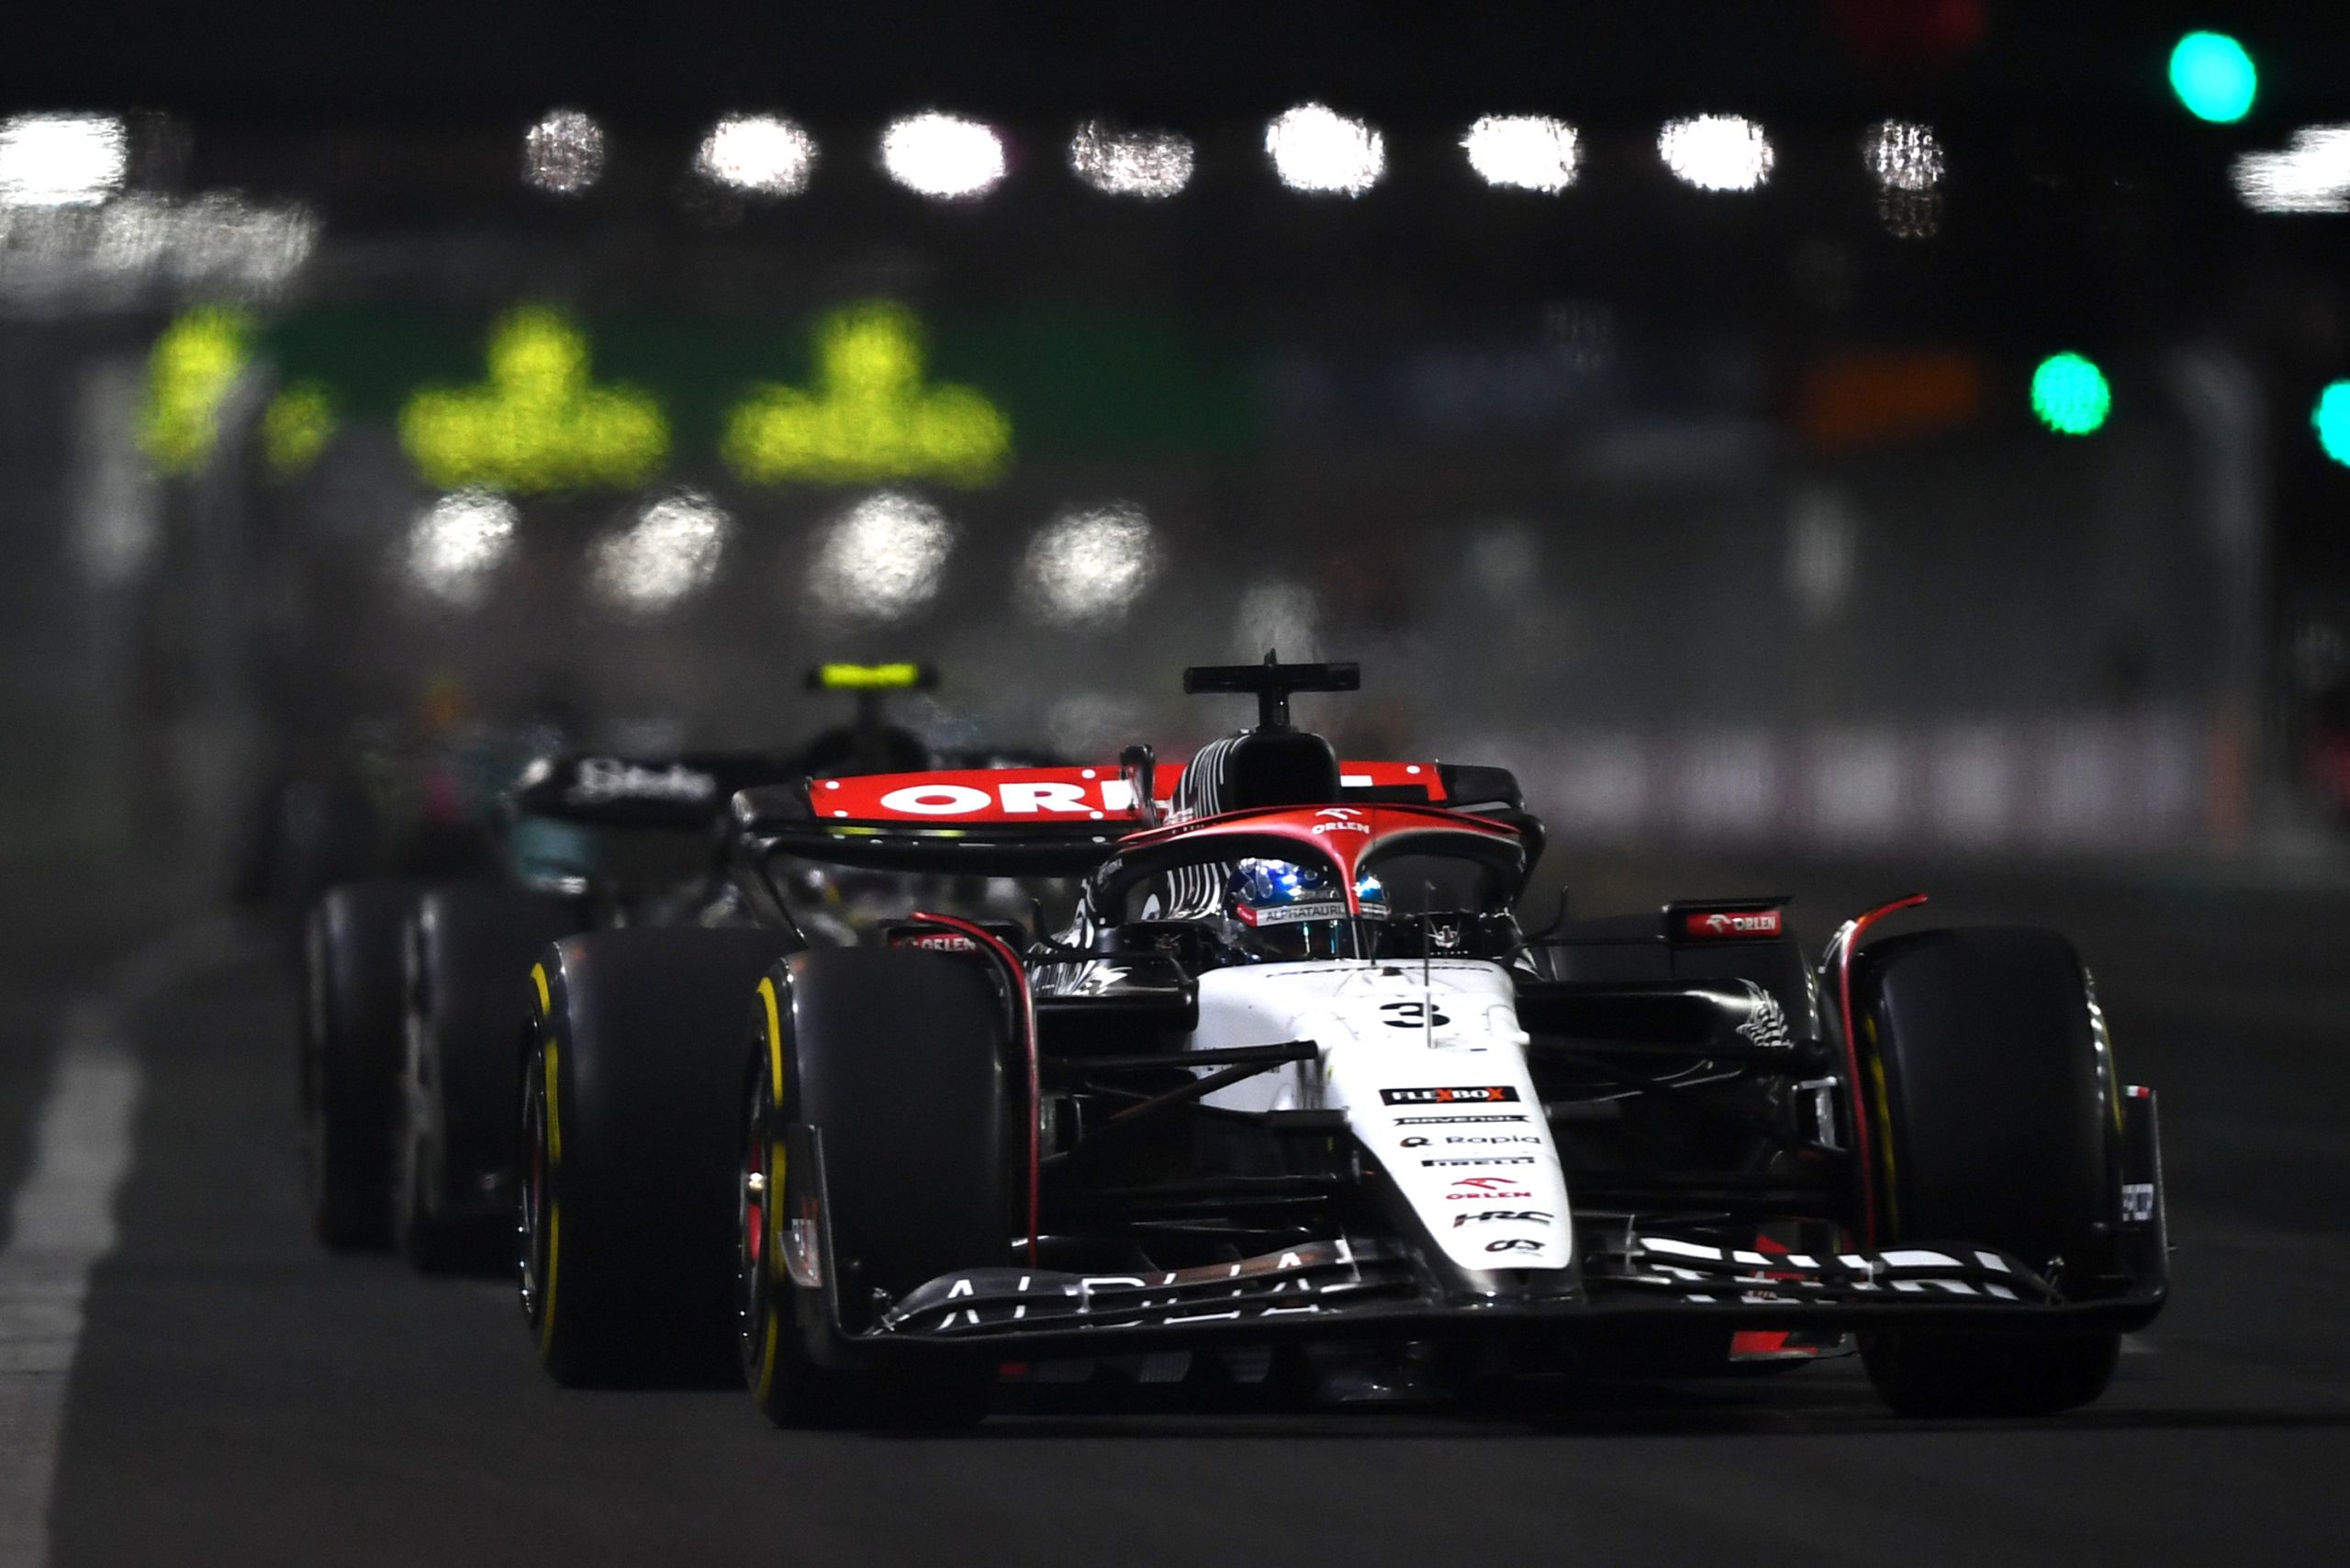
<point x="62" y="1222"/>
<point x="63" y="1225"/>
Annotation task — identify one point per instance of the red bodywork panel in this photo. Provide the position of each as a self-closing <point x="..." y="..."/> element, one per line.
<point x="1036" y="795"/>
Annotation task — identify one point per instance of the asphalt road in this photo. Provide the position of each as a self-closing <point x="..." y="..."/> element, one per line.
<point x="241" y="1397"/>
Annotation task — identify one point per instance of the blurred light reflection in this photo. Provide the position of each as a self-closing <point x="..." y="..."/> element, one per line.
<point x="1314" y="147"/>
<point x="564" y="153"/>
<point x="457" y="544"/>
<point x="1527" y="153"/>
<point x="538" y="422"/>
<point x="758" y="155"/>
<point x="882" y="559"/>
<point x="669" y="554"/>
<point x="943" y="156"/>
<point x="1088" y="568"/>
<point x="61" y="159"/>
<point x="1716" y="152"/>
<point x="2313" y="175"/>
<point x="1152" y="164"/>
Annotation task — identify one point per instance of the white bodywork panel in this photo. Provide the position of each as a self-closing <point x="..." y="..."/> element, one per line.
<point x="1429" y="1064"/>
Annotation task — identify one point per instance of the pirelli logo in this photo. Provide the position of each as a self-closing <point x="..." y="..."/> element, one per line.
<point x="1485" y="1094"/>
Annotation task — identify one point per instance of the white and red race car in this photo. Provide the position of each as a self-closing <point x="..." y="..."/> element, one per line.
<point x="1292" y="1074"/>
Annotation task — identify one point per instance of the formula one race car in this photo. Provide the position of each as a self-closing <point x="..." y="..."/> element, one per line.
<point x="414" y="990"/>
<point x="1291" y="1075"/>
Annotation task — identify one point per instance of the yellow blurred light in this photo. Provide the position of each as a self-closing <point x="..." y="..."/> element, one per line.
<point x="869" y="677"/>
<point x="297" y="426"/>
<point x="870" y="417"/>
<point x="538" y="424"/>
<point x="194" y="364"/>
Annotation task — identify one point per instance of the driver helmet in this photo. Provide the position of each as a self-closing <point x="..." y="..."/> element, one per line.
<point x="1278" y="911"/>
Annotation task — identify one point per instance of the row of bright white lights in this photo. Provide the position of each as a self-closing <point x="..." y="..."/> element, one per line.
<point x="1313" y="148"/>
<point x="881" y="560"/>
<point x="61" y="159"/>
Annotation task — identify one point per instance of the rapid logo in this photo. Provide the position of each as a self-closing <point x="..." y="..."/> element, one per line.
<point x="1485" y="1094"/>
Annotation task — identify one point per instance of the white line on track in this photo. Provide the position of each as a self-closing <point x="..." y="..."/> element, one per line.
<point x="63" y="1225"/>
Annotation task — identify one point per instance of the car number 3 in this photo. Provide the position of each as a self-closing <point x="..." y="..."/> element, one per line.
<point x="1412" y="1016"/>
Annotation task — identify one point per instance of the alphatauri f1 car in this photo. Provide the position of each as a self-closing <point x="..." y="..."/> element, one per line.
<point x="1293" y="1075"/>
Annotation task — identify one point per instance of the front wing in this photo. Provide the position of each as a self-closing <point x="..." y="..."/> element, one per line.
<point x="1626" y="1280"/>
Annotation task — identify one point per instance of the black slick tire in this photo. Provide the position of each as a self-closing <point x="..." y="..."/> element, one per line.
<point x="631" y="1095"/>
<point x="1995" y="1124"/>
<point x="350" y="1053"/>
<point x="469" y="950"/>
<point x="899" y="1061"/>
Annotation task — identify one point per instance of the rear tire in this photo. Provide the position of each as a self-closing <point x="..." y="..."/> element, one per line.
<point x="1996" y="1120"/>
<point x="468" y="1000"/>
<point x="350" y="1053"/>
<point x="900" y="1061"/>
<point x="630" y="1091"/>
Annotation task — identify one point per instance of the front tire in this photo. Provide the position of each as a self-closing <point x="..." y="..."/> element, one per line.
<point x="1996" y="1115"/>
<point x="350" y="1055"/>
<point x="900" y="1061"/>
<point x="627" y="1198"/>
<point x="468" y="1000"/>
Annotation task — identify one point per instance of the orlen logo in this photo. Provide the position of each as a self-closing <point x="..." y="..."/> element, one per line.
<point x="1469" y="1189"/>
<point x="1017" y="799"/>
<point x="935" y="941"/>
<point x="1339" y="819"/>
<point x="1723" y="922"/>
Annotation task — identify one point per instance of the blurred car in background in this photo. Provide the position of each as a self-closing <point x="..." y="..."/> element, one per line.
<point x="414" y="986"/>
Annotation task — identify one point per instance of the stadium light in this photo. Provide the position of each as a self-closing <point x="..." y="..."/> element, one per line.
<point x="1148" y="163"/>
<point x="1316" y="148"/>
<point x="2214" y="77"/>
<point x="61" y="159"/>
<point x="2070" y="395"/>
<point x="457" y="544"/>
<point x="1526" y="153"/>
<point x="2330" y="419"/>
<point x="666" y="555"/>
<point x="1087" y="568"/>
<point x="882" y="559"/>
<point x="763" y="155"/>
<point x="945" y="157"/>
<point x="1716" y="152"/>
<point x="2311" y="174"/>
<point x="564" y="153"/>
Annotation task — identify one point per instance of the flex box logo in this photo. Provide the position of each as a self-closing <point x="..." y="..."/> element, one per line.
<point x="1484" y="1094"/>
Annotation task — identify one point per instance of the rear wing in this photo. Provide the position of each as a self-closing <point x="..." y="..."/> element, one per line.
<point x="689" y="790"/>
<point x="1037" y="821"/>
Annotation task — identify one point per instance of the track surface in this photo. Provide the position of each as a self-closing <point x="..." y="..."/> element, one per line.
<point x="241" y="1398"/>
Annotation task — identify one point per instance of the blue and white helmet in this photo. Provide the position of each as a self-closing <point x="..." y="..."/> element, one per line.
<point x="1280" y="910"/>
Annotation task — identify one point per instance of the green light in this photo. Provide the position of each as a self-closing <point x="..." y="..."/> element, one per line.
<point x="194" y="366"/>
<point x="2214" y="77"/>
<point x="539" y="422"/>
<point x="870" y="417"/>
<point x="2331" y="417"/>
<point x="297" y="426"/>
<point x="2069" y="394"/>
